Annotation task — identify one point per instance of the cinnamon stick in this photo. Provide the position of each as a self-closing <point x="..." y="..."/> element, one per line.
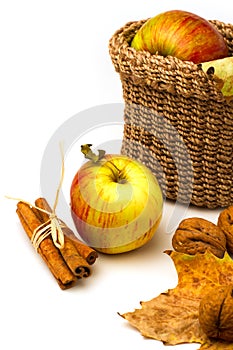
<point x="78" y="265"/>
<point x="88" y="253"/>
<point x="47" y="250"/>
<point x="76" y="262"/>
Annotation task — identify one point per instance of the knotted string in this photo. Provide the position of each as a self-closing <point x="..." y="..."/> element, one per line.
<point x="53" y="226"/>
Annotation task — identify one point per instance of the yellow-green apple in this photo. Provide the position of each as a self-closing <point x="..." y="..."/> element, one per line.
<point x="222" y="70"/>
<point x="116" y="202"/>
<point x="182" y="34"/>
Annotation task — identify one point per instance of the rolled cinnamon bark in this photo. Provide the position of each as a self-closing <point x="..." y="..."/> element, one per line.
<point x="74" y="260"/>
<point x="88" y="253"/>
<point x="47" y="250"/>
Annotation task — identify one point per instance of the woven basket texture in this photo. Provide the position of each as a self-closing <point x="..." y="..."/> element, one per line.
<point x="176" y="121"/>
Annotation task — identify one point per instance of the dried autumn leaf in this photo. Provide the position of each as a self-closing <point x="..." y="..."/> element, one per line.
<point x="172" y="317"/>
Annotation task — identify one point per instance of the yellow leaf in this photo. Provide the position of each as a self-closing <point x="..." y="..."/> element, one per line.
<point x="172" y="317"/>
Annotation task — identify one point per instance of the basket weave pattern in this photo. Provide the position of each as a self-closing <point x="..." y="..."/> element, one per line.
<point x="176" y="121"/>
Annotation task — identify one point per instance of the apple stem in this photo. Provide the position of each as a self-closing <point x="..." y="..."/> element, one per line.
<point x="89" y="154"/>
<point x="117" y="175"/>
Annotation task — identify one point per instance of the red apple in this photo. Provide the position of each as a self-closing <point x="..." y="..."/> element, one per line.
<point x="116" y="202"/>
<point x="181" y="34"/>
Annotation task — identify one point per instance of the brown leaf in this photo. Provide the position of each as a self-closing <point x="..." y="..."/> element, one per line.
<point x="172" y="317"/>
<point x="216" y="345"/>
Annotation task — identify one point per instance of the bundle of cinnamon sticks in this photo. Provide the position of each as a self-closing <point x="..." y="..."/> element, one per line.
<point x="67" y="264"/>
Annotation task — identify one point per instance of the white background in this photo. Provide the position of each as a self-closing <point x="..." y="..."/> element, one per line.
<point x="54" y="64"/>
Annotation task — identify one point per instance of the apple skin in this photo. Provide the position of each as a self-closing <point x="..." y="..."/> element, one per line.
<point x="181" y="34"/>
<point x="116" y="204"/>
<point x="223" y="74"/>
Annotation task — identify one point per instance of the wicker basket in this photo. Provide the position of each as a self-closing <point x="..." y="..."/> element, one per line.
<point x="176" y="121"/>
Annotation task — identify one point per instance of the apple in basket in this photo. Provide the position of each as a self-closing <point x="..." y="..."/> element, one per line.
<point x="181" y="34"/>
<point x="116" y="202"/>
<point x="222" y="71"/>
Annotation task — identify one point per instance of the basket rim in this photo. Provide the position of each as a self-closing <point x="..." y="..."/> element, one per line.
<point x="124" y="35"/>
<point x="145" y="68"/>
